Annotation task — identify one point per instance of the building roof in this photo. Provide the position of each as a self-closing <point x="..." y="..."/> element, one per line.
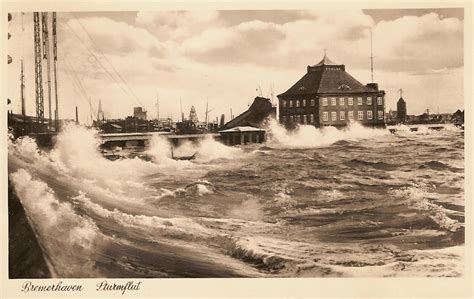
<point x="325" y="61"/>
<point x="113" y="125"/>
<point x="326" y="77"/>
<point x="242" y="129"/>
<point x="260" y="109"/>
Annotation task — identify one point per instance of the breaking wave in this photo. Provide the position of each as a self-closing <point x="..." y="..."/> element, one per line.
<point x="418" y="197"/>
<point x="69" y="239"/>
<point x="307" y="136"/>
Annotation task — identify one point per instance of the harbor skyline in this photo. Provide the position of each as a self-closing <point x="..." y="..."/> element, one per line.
<point x="201" y="56"/>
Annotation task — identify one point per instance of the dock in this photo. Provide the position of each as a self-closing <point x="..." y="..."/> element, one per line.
<point x="417" y="127"/>
<point x="142" y="139"/>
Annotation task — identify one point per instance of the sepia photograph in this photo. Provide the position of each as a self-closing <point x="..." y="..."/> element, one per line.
<point x="325" y="142"/>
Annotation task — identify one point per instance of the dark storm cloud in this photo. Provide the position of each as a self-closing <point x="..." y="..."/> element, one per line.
<point x="393" y="14"/>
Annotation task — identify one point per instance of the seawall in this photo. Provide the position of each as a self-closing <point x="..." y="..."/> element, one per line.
<point x="25" y="256"/>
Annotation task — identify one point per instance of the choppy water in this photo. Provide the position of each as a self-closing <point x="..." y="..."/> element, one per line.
<point x="358" y="202"/>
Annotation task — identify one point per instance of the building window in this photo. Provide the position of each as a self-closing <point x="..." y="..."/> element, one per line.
<point x="350" y="101"/>
<point x="325" y="101"/>
<point x="305" y="119"/>
<point x="325" y="116"/>
<point x="304" y="103"/>
<point x="291" y="103"/>
<point x="291" y="118"/>
<point x="360" y="115"/>
<point x="359" y="101"/>
<point x="283" y="119"/>
<point x="380" y="115"/>
<point x="379" y="100"/>
<point x="342" y="115"/>
<point x="333" y="102"/>
<point x="284" y="103"/>
<point x="341" y="101"/>
<point x="351" y="115"/>
<point x="369" y="100"/>
<point x="369" y="114"/>
<point x="311" y="118"/>
<point x="297" y="103"/>
<point x="313" y="102"/>
<point x="333" y="116"/>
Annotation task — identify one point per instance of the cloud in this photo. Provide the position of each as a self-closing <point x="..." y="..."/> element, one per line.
<point x="243" y="43"/>
<point x="177" y="25"/>
<point x="419" y="43"/>
<point x="203" y="55"/>
<point x="113" y="37"/>
<point x="411" y="43"/>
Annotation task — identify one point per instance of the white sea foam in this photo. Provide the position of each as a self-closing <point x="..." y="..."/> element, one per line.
<point x="307" y="136"/>
<point x="68" y="237"/>
<point x="153" y="226"/>
<point x="417" y="197"/>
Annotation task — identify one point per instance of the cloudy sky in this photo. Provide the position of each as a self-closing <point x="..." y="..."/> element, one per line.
<point x="128" y="59"/>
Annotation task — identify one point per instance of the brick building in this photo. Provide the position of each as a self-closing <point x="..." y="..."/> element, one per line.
<point x="328" y="96"/>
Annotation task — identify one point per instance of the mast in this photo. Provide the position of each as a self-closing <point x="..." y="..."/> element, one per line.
<point x="181" y="109"/>
<point x="371" y="59"/>
<point x="22" y="92"/>
<point x="90" y="111"/>
<point x="55" y="59"/>
<point x="158" y="106"/>
<point x="38" y="74"/>
<point x="46" y="56"/>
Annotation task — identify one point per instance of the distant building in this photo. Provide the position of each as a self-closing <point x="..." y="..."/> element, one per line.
<point x="139" y="113"/>
<point x="328" y="96"/>
<point x="401" y="110"/>
<point x="391" y="117"/>
<point x="458" y="117"/>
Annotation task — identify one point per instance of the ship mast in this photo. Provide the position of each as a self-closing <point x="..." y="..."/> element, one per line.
<point x="371" y="59"/>
<point x="46" y="56"/>
<point x="38" y="74"/>
<point x="22" y="92"/>
<point x="55" y="57"/>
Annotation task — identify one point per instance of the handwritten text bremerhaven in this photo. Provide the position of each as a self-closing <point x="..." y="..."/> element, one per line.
<point x="60" y="286"/>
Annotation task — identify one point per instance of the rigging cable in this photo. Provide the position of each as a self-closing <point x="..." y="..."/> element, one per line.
<point x="106" y="59"/>
<point x="98" y="61"/>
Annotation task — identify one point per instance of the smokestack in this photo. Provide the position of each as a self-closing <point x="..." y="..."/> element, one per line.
<point x="77" y="116"/>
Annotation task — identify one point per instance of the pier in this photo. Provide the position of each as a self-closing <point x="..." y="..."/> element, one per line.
<point x="417" y="127"/>
<point x="142" y="139"/>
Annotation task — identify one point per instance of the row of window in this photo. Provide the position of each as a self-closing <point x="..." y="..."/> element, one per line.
<point x="350" y="101"/>
<point x="301" y="119"/>
<point x="350" y="115"/>
<point x="298" y="103"/>
<point x="312" y="102"/>
<point x="309" y="119"/>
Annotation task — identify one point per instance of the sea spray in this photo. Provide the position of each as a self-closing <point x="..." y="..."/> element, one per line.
<point x="308" y="136"/>
<point x="332" y="199"/>
<point x="205" y="150"/>
<point x="70" y="240"/>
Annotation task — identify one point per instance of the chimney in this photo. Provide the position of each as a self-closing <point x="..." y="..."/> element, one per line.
<point x="374" y="86"/>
